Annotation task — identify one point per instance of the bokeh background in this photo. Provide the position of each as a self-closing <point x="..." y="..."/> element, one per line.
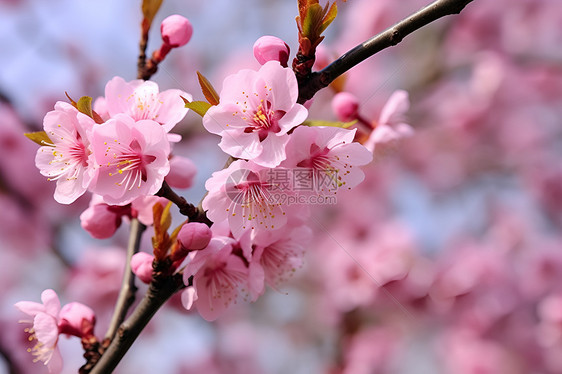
<point x="447" y="259"/>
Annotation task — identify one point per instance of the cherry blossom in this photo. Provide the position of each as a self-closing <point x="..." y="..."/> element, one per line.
<point x="131" y="159"/>
<point x="271" y="48"/>
<point x="328" y="156"/>
<point x="77" y="319"/>
<point x="182" y="172"/>
<point x="219" y="277"/>
<point x="45" y="328"/>
<point x="345" y="105"/>
<point x="243" y="195"/>
<point x="391" y="125"/>
<point x="141" y="266"/>
<point x="256" y="110"/>
<point x="142" y="100"/>
<point x="282" y="254"/>
<point x="194" y="236"/>
<point x="66" y="159"/>
<point x="176" y="30"/>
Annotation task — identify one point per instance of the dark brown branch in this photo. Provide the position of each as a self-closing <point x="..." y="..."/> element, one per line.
<point x="194" y="213"/>
<point x="160" y="290"/>
<point x="141" y="62"/>
<point x="128" y="289"/>
<point x="388" y="38"/>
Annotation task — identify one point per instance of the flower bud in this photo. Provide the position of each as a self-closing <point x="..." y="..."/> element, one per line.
<point x="100" y="220"/>
<point x="141" y="265"/>
<point x="194" y="236"/>
<point x="77" y="319"/>
<point x="345" y="105"/>
<point x="176" y="30"/>
<point x="182" y="172"/>
<point x="268" y="48"/>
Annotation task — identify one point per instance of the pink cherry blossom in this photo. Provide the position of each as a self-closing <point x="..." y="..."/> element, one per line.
<point x="330" y="157"/>
<point x="271" y="48"/>
<point x="49" y="321"/>
<point x="66" y="159"/>
<point x="194" y="235"/>
<point x="182" y="172"/>
<point x="243" y="195"/>
<point x="345" y="105"/>
<point x="77" y="319"/>
<point x="142" y="100"/>
<point x="102" y="220"/>
<point x="141" y="265"/>
<point x="371" y="350"/>
<point x="391" y="126"/>
<point x="256" y="110"/>
<point x="131" y="159"/>
<point x="176" y="30"/>
<point x="282" y="254"/>
<point x="45" y="328"/>
<point x="218" y="278"/>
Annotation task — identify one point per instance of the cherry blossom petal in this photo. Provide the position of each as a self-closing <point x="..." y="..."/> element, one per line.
<point x="395" y="108"/>
<point x="51" y="302"/>
<point x="273" y="150"/>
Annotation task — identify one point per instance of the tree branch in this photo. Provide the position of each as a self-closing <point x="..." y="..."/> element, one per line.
<point x="160" y="290"/>
<point x="128" y="289"/>
<point x="195" y="214"/>
<point x="388" y="38"/>
<point x="141" y="61"/>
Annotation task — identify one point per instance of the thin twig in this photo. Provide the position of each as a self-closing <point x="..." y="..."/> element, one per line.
<point x="142" y="51"/>
<point x="388" y="38"/>
<point x="128" y="288"/>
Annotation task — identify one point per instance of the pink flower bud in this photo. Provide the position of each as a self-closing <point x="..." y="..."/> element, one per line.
<point x="77" y="320"/>
<point x="100" y="220"/>
<point x="182" y="172"/>
<point x="268" y="48"/>
<point x="141" y="265"/>
<point x="176" y="30"/>
<point x="345" y="106"/>
<point x="194" y="236"/>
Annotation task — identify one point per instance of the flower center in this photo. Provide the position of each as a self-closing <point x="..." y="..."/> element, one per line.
<point x="323" y="168"/>
<point x="69" y="155"/>
<point x="130" y="163"/>
<point x="264" y="120"/>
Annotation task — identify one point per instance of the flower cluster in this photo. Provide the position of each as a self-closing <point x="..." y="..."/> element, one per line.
<point x="120" y="155"/>
<point x="259" y="202"/>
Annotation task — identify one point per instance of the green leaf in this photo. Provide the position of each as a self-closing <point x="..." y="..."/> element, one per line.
<point x="343" y="125"/>
<point x="166" y="219"/>
<point x="84" y="105"/>
<point x="208" y="90"/>
<point x="149" y="9"/>
<point x="329" y="17"/>
<point x="39" y="137"/>
<point x="199" y="107"/>
<point x="312" y="21"/>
